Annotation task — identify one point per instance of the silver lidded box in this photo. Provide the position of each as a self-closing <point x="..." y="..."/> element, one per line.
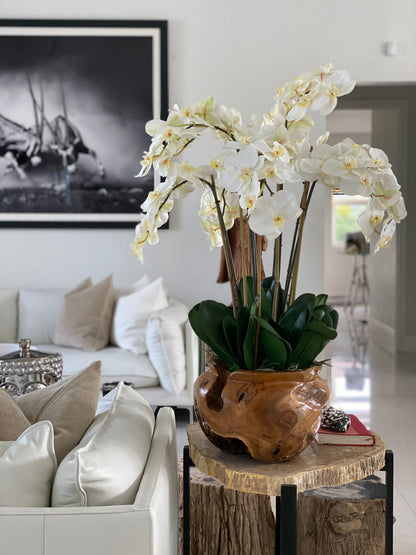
<point x="28" y="369"/>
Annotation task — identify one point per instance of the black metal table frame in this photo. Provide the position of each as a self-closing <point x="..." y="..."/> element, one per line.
<point x="286" y="510"/>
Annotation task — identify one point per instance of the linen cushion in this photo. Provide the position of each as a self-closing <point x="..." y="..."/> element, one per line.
<point x="8" y="315"/>
<point x="85" y="319"/>
<point x="165" y="340"/>
<point x="107" y="465"/>
<point x="131" y="315"/>
<point x="69" y="404"/>
<point x="12" y="420"/>
<point x="27" y="468"/>
<point x="39" y="313"/>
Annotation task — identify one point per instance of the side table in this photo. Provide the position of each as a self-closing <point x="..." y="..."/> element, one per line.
<point x="317" y="466"/>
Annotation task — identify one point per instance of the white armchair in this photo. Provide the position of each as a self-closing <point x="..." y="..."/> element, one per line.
<point x="148" y="526"/>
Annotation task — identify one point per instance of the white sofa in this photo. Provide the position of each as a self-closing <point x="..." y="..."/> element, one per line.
<point x="34" y="314"/>
<point x="148" y="526"/>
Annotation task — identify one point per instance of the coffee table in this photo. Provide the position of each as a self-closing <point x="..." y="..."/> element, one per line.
<point x="317" y="466"/>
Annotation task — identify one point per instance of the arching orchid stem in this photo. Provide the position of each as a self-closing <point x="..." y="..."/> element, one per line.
<point x="276" y="270"/>
<point x="243" y="256"/>
<point x="227" y="251"/>
<point x="253" y="255"/>
<point x="304" y="205"/>
<point x="259" y="257"/>
<point x="276" y="276"/>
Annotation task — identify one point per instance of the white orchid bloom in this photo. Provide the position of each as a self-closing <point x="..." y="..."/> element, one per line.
<point x="240" y="174"/>
<point x="398" y="210"/>
<point x="337" y="84"/>
<point x="386" y="189"/>
<point x="372" y="217"/>
<point x="270" y="213"/>
<point x="386" y="234"/>
<point x="209" y="218"/>
<point x="310" y="163"/>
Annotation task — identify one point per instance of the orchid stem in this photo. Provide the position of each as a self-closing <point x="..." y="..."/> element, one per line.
<point x="258" y="252"/>
<point x="276" y="276"/>
<point x="227" y="252"/>
<point x="304" y="205"/>
<point x="243" y="256"/>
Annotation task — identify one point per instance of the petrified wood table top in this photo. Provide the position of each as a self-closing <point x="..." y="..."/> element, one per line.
<point x="317" y="466"/>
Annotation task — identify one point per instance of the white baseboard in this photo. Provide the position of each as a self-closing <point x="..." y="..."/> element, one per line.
<point x="382" y="335"/>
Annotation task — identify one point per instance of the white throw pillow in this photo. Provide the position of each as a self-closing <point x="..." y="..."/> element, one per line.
<point x="137" y="286"/>
<point x="39" y="314"/>
<point x="107" y="465"/>
<point x="27" y="467"/>
<point x="165" y="340"/>
<point x="131" y="315"/>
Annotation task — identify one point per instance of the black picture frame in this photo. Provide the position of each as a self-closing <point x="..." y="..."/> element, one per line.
<point x="74" y="99"/>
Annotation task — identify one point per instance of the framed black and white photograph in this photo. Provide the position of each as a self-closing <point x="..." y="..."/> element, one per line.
<point x="74" y="100"/>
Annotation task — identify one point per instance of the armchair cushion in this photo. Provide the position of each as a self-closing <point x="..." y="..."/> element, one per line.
<point x="107" y="465"/>
<point x="27" y="468"/>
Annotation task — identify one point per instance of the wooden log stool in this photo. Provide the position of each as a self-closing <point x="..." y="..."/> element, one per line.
<point x="343" y="520"/>
<point x="225" y="521"/>
<point x="338" y="520"/>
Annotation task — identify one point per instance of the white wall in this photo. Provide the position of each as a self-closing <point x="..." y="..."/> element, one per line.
<point x="240" y="52"/>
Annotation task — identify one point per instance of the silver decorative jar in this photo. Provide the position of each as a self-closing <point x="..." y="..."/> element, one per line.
<point x="28" y="369"/>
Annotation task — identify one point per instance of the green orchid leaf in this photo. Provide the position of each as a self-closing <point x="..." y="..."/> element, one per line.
<point x="206" y="320"/>
<point x="303" y="304"/>
<point x="249" y="344"/>
<point x="320" y="328"/>
<point x="308" y="348"/>
<point x="229" y="325"/>
<point x="320" y="300"/>
<point x="243" y="319"/>
<point x="334" y="316"/>
<point x="312" y="349"/>
<point x="274" y="348"/>
<point x="251" y="292"/>
<point x="318" y="314"/>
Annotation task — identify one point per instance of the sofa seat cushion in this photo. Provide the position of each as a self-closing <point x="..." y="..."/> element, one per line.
<point x="107" y="465"/>
<point x="117" y="364"/>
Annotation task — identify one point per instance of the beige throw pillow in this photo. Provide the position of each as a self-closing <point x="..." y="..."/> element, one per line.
<point x="69" y="404"/>
<point x="86" y="315"/>
<point x="12" y="420"/>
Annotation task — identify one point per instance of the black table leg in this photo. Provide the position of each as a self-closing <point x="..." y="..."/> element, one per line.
<point x="187" y="463"/>
<point x="388" y="468"/>
<point x="286" y="520"/>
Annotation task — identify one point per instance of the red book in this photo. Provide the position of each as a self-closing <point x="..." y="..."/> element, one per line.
<point x="357" y="434"/>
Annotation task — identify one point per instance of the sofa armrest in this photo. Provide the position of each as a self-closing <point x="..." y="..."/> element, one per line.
<point x="158" y="488"/>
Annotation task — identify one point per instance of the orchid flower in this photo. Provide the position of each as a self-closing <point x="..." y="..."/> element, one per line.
<point x="270" y="214"/>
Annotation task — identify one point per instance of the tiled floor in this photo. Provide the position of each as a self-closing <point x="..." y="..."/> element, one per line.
<point x="381" y="390"/>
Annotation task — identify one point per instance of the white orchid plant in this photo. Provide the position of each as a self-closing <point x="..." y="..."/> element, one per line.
<point x="252" y="179"/>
